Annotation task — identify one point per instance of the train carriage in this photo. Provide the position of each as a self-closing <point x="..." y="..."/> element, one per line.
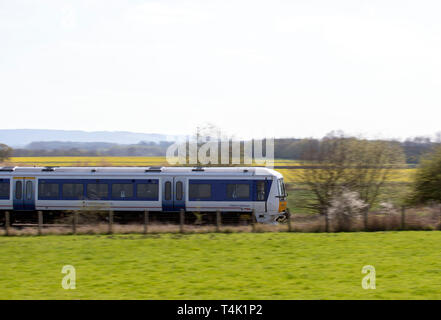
<point x="162" y="189"/>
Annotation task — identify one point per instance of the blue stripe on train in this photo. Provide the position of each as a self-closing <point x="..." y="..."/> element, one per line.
<point x="218" y="189"/>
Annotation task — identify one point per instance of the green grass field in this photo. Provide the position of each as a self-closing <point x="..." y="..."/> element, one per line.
<point x="223" y="266"/>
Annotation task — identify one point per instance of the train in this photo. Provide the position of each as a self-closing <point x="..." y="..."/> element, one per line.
<point x="258" y="191"/>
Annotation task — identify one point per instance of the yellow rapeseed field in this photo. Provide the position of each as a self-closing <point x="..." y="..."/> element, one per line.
<point x="398" y="175"/>
<point x="87" y="161"/>
<point x="105" y="161"/>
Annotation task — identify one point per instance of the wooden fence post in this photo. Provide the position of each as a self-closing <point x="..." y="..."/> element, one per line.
<point x="40" y="222"/>
<point x="438" y="226"/>
<point x="403" y="217"/>
<point x="74" y="222"/>
<point x="7" y="222"/>
<point x="366" y="212"/>
<point x="253" y="222"/>
<point x="218" y="221"/>
<point x="146" y="221"/>
<point x="181" y="220"/>
<point x="110" y="222"/>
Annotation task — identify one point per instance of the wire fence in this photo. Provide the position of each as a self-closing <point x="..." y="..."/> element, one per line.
<point x="77" y="222"/>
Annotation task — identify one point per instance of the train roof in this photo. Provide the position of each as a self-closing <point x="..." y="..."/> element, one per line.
<point x="241" y="171"/>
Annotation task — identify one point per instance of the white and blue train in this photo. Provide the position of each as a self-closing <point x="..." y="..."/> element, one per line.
<point x="164" y="189"/>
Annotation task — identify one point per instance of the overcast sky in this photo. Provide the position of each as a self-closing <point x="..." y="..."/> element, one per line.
<point x="253" y="68"/>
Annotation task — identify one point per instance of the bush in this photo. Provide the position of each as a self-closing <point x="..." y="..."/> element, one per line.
<point x="426" y="187"/>
<point x="345" y="208"/>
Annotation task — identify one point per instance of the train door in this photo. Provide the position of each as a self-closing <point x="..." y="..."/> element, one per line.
<point x="167" y="194"/>
<point x="179" y="194"/>
<point x="173" y="194"/>
<point x="24" y="193"/>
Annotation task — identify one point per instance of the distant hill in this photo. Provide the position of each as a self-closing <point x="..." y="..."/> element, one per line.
<point x="66" y="149"/>
<point x="22" y="137"/>
<point x="66" y="145"/>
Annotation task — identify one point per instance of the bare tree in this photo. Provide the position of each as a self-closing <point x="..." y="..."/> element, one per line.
<point x="207" y="133"/>
<point x="374" y="164"/>
<point x="338" y="163"/>
<point x="324" y="171"/>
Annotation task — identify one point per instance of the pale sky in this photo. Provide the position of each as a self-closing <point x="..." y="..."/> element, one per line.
<point x="253" y="68"/>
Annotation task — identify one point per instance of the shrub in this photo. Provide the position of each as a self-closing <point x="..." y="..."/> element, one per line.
<point x="345" y="207"/>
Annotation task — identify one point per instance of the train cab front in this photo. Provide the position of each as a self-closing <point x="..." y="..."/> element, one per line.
<point x="283" y="203"/>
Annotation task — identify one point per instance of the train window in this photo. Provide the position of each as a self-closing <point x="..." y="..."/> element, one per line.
<point x="260" y="190"/>
<point x="122" y="190"/>
<point x="18" y="190"/>
<point x="73" y="190"/>
<point x="4" y="190"/>
<point x="48" y="190"/>
<point x="29" y="190"/>
<point x="281" y="186"/>
<point x="96" y="191"/>
<point x="147" y="190"/>
<point x="168" y="190"/>
<point x="238" y="190"/>
<point x="179" y="190"/>
<point x="200" y="191"/>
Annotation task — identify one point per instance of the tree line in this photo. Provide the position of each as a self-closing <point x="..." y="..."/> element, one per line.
<point x="91" y="149"/>
<point x="413" y="148"/>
